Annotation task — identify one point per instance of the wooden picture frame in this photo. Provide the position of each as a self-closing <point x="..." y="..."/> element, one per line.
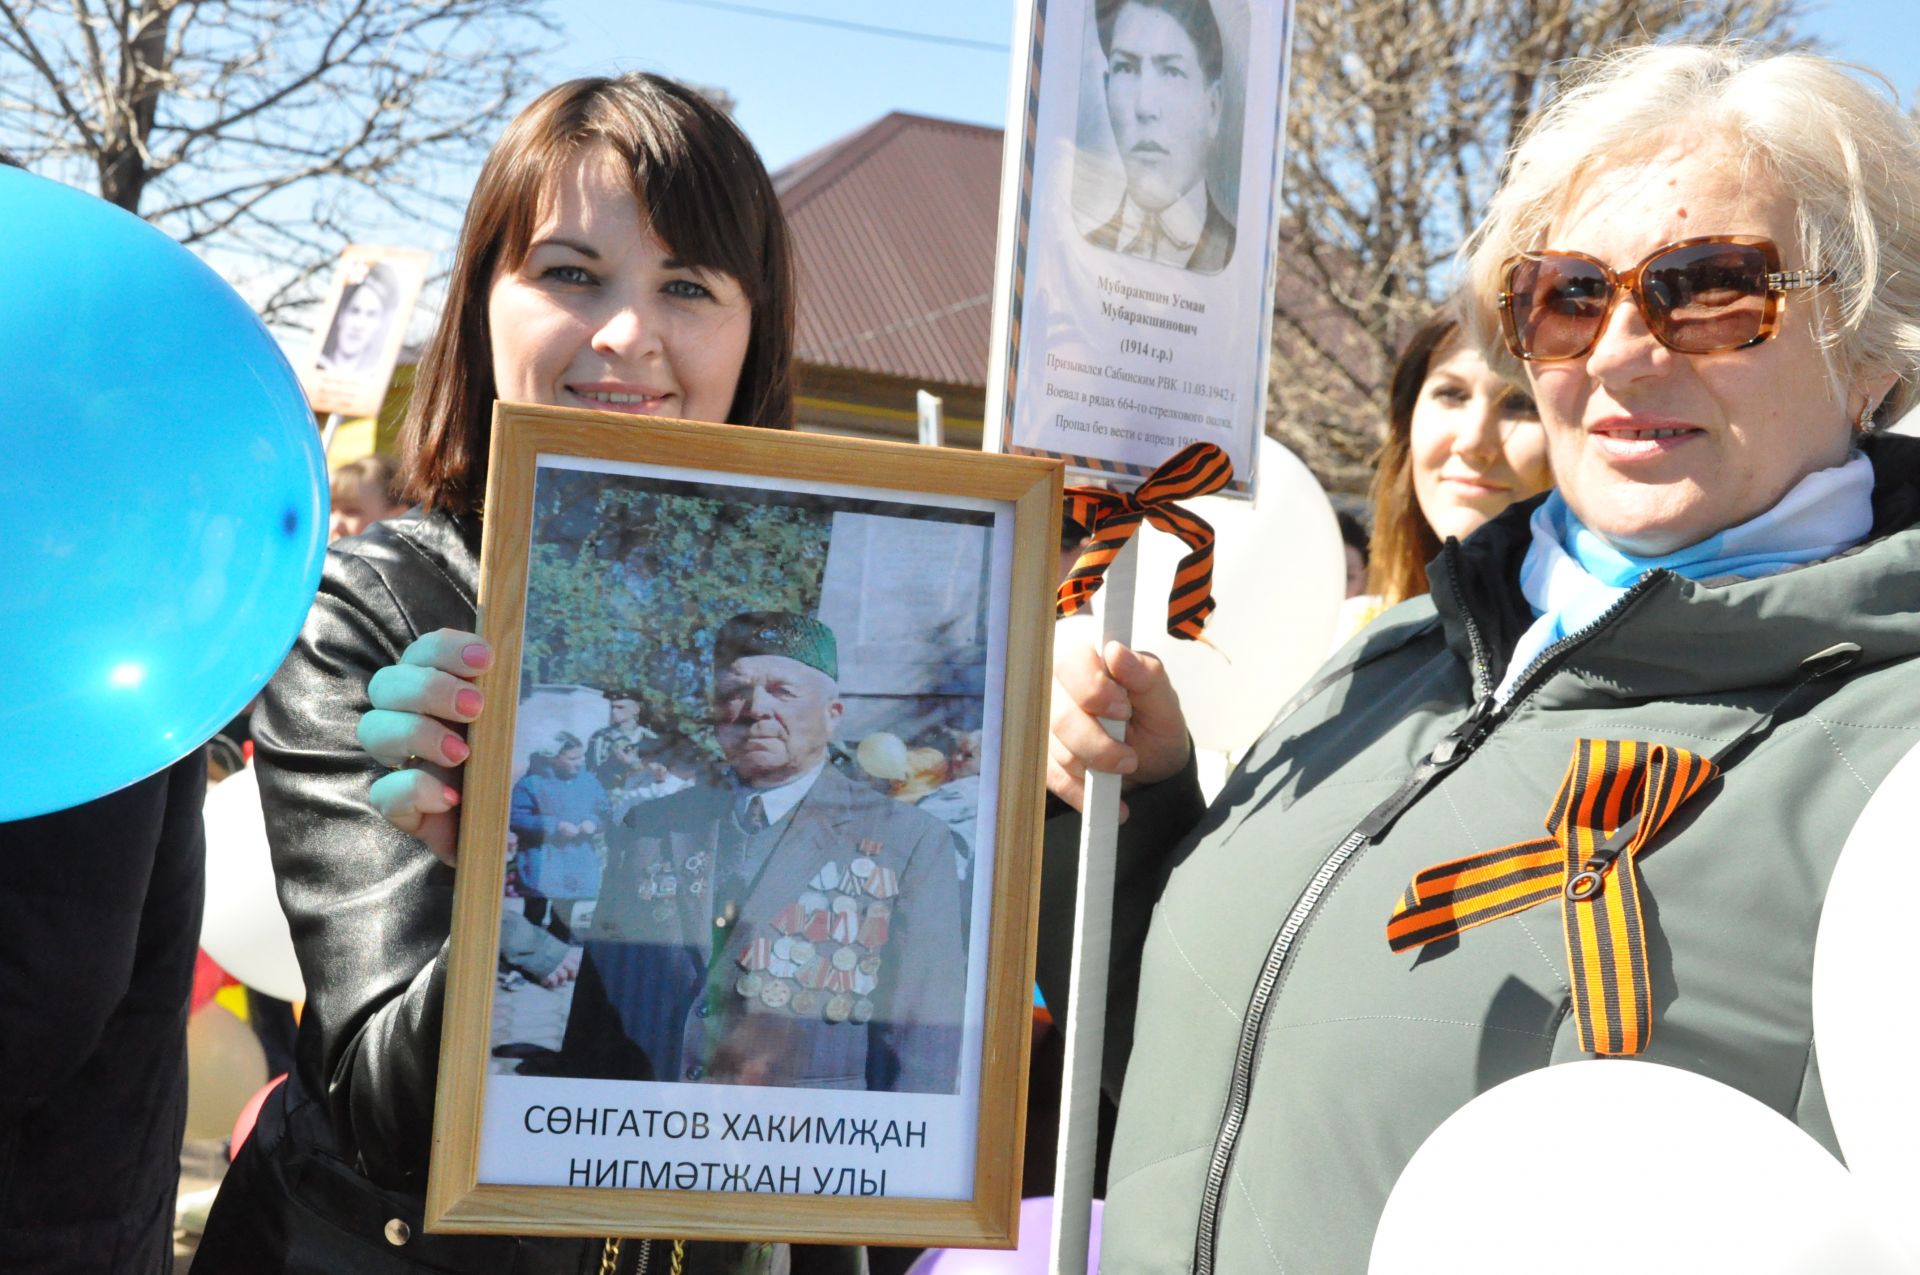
<point x="623" y="542"/>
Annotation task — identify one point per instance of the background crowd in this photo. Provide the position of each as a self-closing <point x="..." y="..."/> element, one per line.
<point x="1631" y="527"/>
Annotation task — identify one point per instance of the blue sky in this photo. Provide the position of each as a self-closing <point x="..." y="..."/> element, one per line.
<point x="800" y="86"/>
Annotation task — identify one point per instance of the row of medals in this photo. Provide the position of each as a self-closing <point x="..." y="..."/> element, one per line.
<point x="826" y="959"/>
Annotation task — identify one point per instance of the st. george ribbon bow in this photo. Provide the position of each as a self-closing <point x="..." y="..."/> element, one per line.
<point x="1612" y="803"/>
<point x="1111" y="518"/>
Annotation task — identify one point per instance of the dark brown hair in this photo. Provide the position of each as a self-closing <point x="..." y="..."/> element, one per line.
<point x="710" y="202"/>
<point x="1194" y="16"/>
<point x="1403" y="541"/>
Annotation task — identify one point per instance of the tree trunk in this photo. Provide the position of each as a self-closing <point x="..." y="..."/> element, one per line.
<point x="124" y="157"/>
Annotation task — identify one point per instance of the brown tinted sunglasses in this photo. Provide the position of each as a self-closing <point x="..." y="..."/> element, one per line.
<point x="1697" y="296"/>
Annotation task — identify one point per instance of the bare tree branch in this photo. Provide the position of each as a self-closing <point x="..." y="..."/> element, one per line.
<point x="265" y="132"/>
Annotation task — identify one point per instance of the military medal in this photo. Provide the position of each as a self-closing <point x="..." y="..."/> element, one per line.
<point x="819" y="926"/>
<point x="846" y="919"/>
<point x="884" y="883"/>
<point x="815" y="974"/>
<point x="806" y="1003"/>
<point x="864" y="983"/>
<point x="839" y="1008"/>
<point x="776" y="994"/>
<point x="845" y="958"/>
<point x="860" y="869"/>
<point x="871" y="847"/>
<point x="873" y="930"/>
<point x="799" y="951"/>
<point x="750" y="985"/>
<point x="827" y="878"/>
<point x="839" y="980"/>
<point x="870" y="963"/>
<point x="791" y="919"/>
<point x="863" y="1011"/>
<point x="758" y="954"/>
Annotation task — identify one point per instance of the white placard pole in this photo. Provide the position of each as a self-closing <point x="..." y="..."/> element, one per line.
<point x="933" y="419"/>
<point x="326" y="435"/>
<point x="1086" y="1011"/>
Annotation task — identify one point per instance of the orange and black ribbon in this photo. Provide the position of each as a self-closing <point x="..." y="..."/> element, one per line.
<point x="1615" y="798"/>
<point x="1111" y="518"/>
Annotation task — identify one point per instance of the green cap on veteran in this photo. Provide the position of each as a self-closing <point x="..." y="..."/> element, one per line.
<point x="798" y="637"/>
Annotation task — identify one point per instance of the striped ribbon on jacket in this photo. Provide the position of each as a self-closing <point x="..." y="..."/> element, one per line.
<point x="1616" y="796"/>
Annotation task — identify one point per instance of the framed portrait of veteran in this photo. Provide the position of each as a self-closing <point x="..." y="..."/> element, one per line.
<point x="743" y="934"/>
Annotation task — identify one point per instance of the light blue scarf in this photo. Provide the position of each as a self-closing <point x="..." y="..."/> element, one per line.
<point x="1571" y="575"/>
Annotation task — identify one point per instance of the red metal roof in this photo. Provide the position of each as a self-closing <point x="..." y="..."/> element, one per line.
<point x="893" y="232"/>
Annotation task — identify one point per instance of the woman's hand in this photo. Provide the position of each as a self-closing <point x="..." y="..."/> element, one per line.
<point x="417" y="726"/>
<point x="1124" y="685"/>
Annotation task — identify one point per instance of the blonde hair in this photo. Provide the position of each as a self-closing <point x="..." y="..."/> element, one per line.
<point x="1839" y="147"/>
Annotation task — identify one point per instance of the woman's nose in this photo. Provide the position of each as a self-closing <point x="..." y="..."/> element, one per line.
<point x="627" y="330"/>
<point x="1626" y="346"/>
<point x="1478" y="438"/>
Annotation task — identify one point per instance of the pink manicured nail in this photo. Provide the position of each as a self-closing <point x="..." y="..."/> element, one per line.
<point x="468" y="702"/>
<point x="476" y="654"/>
<point x="453" y="796"/>
<point x="455" y="748"/>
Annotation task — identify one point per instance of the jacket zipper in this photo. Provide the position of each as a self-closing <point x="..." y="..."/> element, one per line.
<point x="1459" y="743"/>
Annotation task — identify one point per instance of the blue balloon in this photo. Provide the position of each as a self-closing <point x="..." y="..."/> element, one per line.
<point x="163" y="499"/>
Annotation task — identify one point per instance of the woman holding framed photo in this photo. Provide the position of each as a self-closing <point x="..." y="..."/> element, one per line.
<point x="624" y="251"/>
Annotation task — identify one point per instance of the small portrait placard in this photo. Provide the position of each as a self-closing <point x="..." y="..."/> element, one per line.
<point x="743" y="938"/>
<point x="1139" y="210"/>
<point x="363" y="323"/>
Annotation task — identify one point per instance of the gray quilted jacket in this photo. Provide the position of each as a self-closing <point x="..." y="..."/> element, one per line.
<point x="1282" y="1064"/>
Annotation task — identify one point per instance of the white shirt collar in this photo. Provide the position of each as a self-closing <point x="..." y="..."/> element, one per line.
<point x="1178" y="231"/>
<point x="778" y="800"/>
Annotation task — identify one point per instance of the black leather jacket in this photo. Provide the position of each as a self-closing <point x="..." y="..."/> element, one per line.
<point x="370" y="910"/>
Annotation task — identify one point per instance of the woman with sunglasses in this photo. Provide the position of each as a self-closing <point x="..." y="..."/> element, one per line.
<point x="1584" y="800"/>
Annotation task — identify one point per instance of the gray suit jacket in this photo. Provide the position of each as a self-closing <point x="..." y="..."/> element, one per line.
<point x="667" y="993"/>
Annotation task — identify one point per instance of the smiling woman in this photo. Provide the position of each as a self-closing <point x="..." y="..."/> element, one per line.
<point x="1689" y="666"/>
<point x="624" y="251"/>
<point x="601" y="314"/>
<point x="1463" y="443"/>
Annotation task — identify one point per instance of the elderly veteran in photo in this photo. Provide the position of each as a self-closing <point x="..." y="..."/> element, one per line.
<point x="787" y="927"/>
<point x="1163" y="99"/>
<point x="1583" y="799"/>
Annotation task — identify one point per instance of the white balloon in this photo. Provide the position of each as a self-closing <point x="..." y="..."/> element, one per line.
<point x="1863" y="1027"/>
<point x="1606" y="1165"/>
<point x="1279" y="573"/>
<point x="244" y="929"/>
